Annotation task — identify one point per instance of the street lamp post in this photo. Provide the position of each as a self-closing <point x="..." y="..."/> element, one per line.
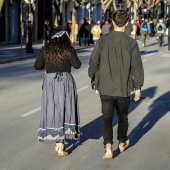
<point x="29" y="29"/>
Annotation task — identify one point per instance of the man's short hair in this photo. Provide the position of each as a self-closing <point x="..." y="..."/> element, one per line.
<point x="120" y="17"/>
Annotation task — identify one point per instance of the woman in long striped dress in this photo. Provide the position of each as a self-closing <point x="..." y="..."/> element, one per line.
<point x="59" y="118"/>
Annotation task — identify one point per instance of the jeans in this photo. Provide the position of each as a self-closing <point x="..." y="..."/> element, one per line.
<point x="109" y="104"/>
<point x="87" y="41"/>
<point x="95" y="42"/>
<point x="169" y="43"/>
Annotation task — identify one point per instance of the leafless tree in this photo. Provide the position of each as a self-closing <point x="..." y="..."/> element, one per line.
<point x="73" y="17"/>
<point x="58" y="7"/>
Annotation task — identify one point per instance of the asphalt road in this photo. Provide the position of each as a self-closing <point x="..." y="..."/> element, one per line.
<point x="20" y="98"/>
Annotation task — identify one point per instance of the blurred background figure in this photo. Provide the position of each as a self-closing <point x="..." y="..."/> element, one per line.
<point x="69" y="27"/>
<point x="105" y="28"/>
<point x="96" y="31"/>
<point x="47" y="31"/>
<point x="168" y="31"/>
<point x="80" y="33"/>
<point x="152" y="28"/>
<point x="144" y="30"/>
<point x="160" y="30"/>
<point x="138" y="27"/>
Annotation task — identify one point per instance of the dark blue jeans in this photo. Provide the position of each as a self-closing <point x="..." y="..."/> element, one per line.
<point x="109" y="104"/>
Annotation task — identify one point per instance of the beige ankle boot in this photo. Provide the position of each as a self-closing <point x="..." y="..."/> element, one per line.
<point x="123" y="146"/>
<point x="108" y="154"/>
<point x="61" y="150"/>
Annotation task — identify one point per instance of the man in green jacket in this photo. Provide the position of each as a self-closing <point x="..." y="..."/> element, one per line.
<point x="116" y="69"/>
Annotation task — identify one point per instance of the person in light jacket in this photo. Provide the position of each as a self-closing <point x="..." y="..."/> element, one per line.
<point x="96" y="32"/>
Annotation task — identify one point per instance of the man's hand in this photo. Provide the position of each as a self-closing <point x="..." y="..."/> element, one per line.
<point x="137" y="95"/>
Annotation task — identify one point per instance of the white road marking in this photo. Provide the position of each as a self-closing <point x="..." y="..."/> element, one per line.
<point x="166" y="55"/>
<point x="84" y="54"/>
<point x="147" y="55"/>
<point x="31" y="112"/>
<point x="83" y="88"/>
<point x="39" y="108"/>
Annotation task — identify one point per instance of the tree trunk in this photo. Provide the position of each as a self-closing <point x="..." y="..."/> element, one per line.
<point x="58" y="7"/>
<point x="135" y="10"/>
<point x="73" y="25"/>
<point x="114" y="6"/>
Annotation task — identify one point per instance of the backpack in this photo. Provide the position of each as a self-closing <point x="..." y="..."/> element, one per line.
<point x="160" y="28"/>
<point x="144" y="25"/>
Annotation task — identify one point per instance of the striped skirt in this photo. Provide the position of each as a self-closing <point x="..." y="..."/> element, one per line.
<point x="59" y="118"/>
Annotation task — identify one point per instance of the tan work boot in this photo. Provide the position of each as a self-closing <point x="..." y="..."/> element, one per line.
<point x="108" y="154"/>
<point x="123" y="145"/>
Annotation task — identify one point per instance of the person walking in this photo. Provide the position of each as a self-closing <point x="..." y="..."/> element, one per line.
<point x="168" y="27"/>
<point x="96" y="31"/>
<point x="87" y="27"/>
<point x="138" y="27"/>
<point x="59" y="118"/>
<point x="46" y="32"/>
<point x="145" y="30"/>
<point x="160" y="30"/>
<point x="116" y="69"/>
<point x="105" y="28"/>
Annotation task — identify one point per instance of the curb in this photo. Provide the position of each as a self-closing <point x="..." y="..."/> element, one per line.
<point x="17" y="59"/>
<point x="32" y="56"/>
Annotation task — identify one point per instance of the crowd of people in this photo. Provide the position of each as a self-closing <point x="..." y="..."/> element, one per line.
<point x="87" y="32"/>
<point x="115" y="69"/>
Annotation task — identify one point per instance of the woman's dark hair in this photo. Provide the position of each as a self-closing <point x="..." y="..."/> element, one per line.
<point x="120" y="18"/>
<point x="58" y="50"/>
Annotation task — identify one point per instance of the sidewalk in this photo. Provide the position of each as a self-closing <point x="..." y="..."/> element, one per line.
<point x="12" y="53"/>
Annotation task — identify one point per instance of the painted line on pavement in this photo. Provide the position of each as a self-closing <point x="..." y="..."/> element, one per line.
<point x="144" y="60"/>
<point x="83" y="88"/>
<point x="166" y="55"/>
<point x="147" y="55"/>
<point x="39" y="108"/>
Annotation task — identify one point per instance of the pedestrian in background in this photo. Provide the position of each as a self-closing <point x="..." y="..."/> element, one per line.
<point x="69" y="27"/>
<point x="81" y="32"/>
<point x="46" y="32"/>
<point x="59" y="118"/>
<point x="152" y="28"/>
<point x="105" y="28"/>
<point x="160" y="30"/>
<point x="144" y="30"/>
<point x="118" y="67"/>
<point x="138" y="27"/>
<point x="168" y="31"/>
<point x="96" y="32"/>
<point x="87" y="32"/>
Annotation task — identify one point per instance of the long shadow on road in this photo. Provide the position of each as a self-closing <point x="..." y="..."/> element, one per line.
<point x="159" y="108"/>
<point x="93" y="130"/>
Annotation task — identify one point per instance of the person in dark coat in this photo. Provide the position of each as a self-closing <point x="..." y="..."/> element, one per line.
<point x="59" y="118"/>
<point x="168" y="27"/>
<point x="87" y="32"/>
<point x="46" y="32"/>
<point x="116" y="68"/>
